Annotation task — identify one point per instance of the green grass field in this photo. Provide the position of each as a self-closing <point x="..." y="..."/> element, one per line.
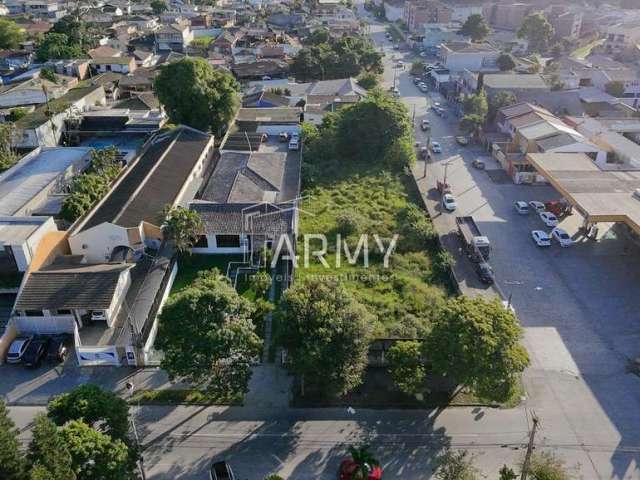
<point x="402" y="296"/>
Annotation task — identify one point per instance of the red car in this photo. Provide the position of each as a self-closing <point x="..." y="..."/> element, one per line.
<point x="348" y="467"/>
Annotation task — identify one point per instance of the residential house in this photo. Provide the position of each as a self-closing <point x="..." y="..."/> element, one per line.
<point x="566" y="23"/>
<point x="167" y="172"/>
<point x="104" y="52"/>
<point x="71" y="68"/>
<point x="475" y="57"/>
<point x="264" y="99"/>
<point x="271" y="121"/>
<point x="436" y="35"/>
<point x="141" y="80"/>
<point x="523" y="85"/>
<point x="224" y="43"/>
<point x="37" y="184"/>
<point x="174" y="37"/>
<point x="16" y="59"/>
<point x="19" y="241"/>
<point x="124" y="65"/>
<point x="260" y="70"/>
<point x="36" y="91"/>
<point x="533" y="129"/>
<point x="621" y="37"/>
<point x="460" y="13"/>
<point x="417" y="13"/>
<point x="247" y="203"/>
<point x="40" y="129"/>
<point x="507" y="16"/>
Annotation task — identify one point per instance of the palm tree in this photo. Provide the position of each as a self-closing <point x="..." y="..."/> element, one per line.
<point x="364" y="461"/>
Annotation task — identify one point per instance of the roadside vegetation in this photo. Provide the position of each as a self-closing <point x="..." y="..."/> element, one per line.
<point x="324" y="57"/>
<point x="356" y="182"/>
<point x="83" y="436"/>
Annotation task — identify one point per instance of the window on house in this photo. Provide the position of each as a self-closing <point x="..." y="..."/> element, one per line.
<point x="33" y="313"/>
<point x="202" y="242"/>
<point x="63" y="311"/>
<point x="228" y="241"/>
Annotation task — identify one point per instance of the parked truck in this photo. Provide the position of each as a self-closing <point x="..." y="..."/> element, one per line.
<point x="476" y="244"/>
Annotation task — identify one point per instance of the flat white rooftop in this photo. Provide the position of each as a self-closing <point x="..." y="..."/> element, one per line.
<point x="35" y="172"/>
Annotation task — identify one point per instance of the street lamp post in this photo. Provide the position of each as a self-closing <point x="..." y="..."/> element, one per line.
<point x="131" y="389"/>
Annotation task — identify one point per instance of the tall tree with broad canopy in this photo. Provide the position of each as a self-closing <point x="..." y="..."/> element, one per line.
<point x="500" y="100"/>
<point x="196" y="94"/>
<point x="406" y="366"/>
<point x="368" y="129"/>
<point x="96" y="455"/>
<point x="537" y="30"/>
<point x="325" y="329"/>
<point x="182" y="226"/>
<point x="10" y="34"/>
<point x="456" y="466"/>
<point x="475" y="27"/>
<point x="57" y="45"/>
<point x="506" y="62"/>
<point x="98" y="408"/>
<point x="12" y="463"/>
<point x="207" y="336"/>
<point x="48" y="454"/>
<point x="477" y="343"/>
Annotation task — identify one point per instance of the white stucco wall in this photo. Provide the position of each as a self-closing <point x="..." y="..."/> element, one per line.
<point x="214" y="249"/>
<point x="97" y="243"/>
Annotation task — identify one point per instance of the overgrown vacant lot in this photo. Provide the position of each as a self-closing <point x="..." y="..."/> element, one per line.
<point x="403" y="296"/>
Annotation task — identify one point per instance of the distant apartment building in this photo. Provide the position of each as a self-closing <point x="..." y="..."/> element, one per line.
<point x="418" y="13"/>
<point x="506" y="16"/>
<point x="621" y="37"/>
<point x="566" y="24"/>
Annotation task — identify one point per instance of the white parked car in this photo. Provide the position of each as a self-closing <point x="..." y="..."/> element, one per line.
<point x="537" y="206"/>
<point x="541" y="238"/>
<point x="294" y="144"/>
<point x="549" y="219"/>
<point x="435" y="147"/>
<point x="449" y="202"/>
<point x="562" y="237"/>
<point x="521" y="207"/>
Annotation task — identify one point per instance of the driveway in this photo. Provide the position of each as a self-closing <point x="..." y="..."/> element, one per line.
<point x="578" y="305"/>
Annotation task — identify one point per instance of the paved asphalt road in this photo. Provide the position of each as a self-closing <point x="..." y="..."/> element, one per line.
<point x="579" y="309"/>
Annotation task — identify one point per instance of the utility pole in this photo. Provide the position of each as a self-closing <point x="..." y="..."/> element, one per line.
<point x="426" y="160"/>
<point x="527" y="457"/>
<point x="414" y="115"/>
<point x="446" y="166"/>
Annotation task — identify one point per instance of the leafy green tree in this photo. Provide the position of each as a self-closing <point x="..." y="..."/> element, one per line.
<point x="10" y="34"/>
<point x="158" y="6"/>
<point x="368" y="80"/>
<point x="364" y="461"/>
<point x="506" y="62"/>
<point x="500" y="100"/>
<point x="476" y="105"/>
<point x="456" y="466"/>
<point x="548" y="466"/>
<point x="12" y="463"/>
<point x="475" y="27"/>
<point x="101" y="409"/>
<point x="96" y="455"/>
<point x="615" y="88"/>
<point x="207" y="335"/>
<point x="324" y="328"/>
<point x="537" y="30"/>
<point x="57" y="45"/>
<point x="476" y="343"/>
<point x="196" y="94"/>
<point x="8" y="156"/>
<point x="79" y="33"/>
<point x="406" y="366"/>
<point x="16" y="114"/>
<point x="415" y="228"/>
<point x="368" y="129"/>
<point x="471" y="123"/>
<point x="48" y="74"/>
<point x="48" y="454"/>
<point x="417" y="67"/>
<point x="326" y="58"/>
<point x="182" y="226"/>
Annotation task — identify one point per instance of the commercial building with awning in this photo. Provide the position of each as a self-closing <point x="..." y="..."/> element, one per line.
<point x="601" y="196"/>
